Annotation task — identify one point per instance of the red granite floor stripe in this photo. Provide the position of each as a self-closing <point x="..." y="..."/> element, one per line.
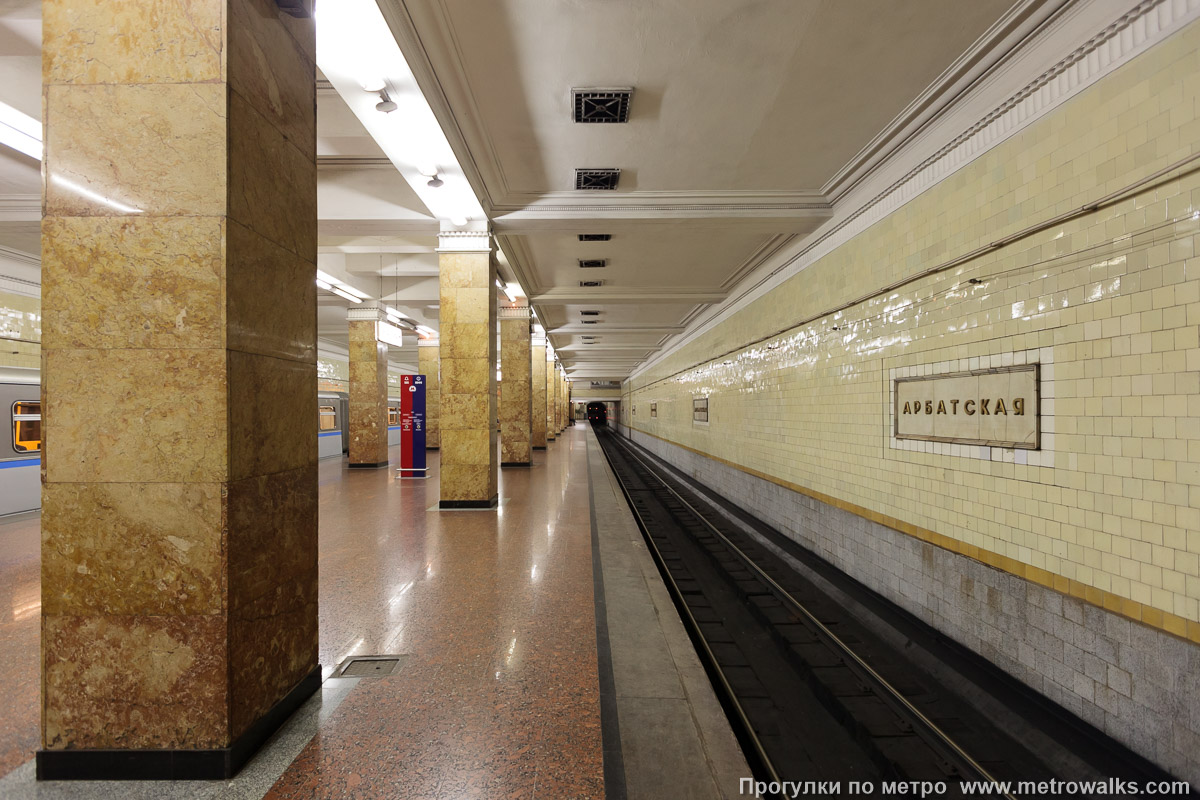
<point x="500" y="694"/>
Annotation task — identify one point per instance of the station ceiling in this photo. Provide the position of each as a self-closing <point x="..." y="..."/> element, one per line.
<point x="748" y="120"/>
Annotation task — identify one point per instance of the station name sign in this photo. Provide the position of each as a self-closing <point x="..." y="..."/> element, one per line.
<point x="997" y="407"/>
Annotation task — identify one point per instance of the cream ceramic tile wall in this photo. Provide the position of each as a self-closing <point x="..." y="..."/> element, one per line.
<point x="333" y="374"/>
<point x="1112" y="298"/>
<point x="20" y="331"/>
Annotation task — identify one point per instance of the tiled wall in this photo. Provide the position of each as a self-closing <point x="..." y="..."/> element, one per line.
<point x="1108" y="511"/>
<point x="20" y="331"/>
<point x="1135" y="682"/>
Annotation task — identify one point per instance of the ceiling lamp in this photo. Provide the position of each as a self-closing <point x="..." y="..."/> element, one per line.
<point x="374" y="85"/>
<point x="385" y="104"/>
<point x="435" y="181"/>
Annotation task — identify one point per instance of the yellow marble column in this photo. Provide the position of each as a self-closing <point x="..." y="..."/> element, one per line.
<point x="368" y="389"/>
<point x="179" y="523"/>
<point x="469" y="463"/>
<point x="551" y="383"/>
<point x="429" y="366"/>
<point x="538" y="381"/>
<point x="559" y="415"/>
<point x="516" y="399"/>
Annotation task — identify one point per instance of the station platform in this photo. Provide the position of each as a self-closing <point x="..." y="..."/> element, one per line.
<point x="538" y="654"/>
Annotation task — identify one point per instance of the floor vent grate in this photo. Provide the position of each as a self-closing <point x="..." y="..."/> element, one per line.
<point x="371" y="666"/>
<point x="601" y="105"/>
<point x="596" y="179"/>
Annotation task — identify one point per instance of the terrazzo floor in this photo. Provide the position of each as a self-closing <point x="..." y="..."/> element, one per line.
<point x="498" y="694"/>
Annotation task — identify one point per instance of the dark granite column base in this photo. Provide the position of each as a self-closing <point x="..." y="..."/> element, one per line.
<point x="516" y="463"/>
<point x="451" y="505"/>
<point x="378" y="465"/>
<point x="174" y="765"/>
<point x="535" y="447"/>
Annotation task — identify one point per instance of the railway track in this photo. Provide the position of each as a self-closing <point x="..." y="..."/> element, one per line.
<point x="813" y="694"/>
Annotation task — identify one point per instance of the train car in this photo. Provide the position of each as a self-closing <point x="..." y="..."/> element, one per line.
<point x="393" y="421"/>
<point x="21" y="462"/>
<point x="333" y="424"/>
<point x="597" y="413"/>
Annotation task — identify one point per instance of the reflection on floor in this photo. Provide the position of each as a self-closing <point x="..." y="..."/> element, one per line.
<point x="498" y="696"/>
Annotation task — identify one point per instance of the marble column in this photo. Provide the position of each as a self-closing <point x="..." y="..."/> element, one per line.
<point x="467" y="322"/>
<point x="559" y="416"/>
<point x="179" y="522"/>
<point x="368" y="389"/>
<point x="429" y="366"/>
<point x="538" y="381"/>
<point x="551" y="384"/>
<point x="516" y="399"/>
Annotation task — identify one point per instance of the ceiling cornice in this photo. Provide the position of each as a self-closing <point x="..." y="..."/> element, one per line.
<point x="520" y="261"/>
<point x="561" y="295"/>
<point x="459" y="132"/>
<point x="21" y="257"/>
<point x="355" y="162"/>
<point x="999" y="42"/>
<point x="1095" y="44"/>
<point x="20" y="208"/>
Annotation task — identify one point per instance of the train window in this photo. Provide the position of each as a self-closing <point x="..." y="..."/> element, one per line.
<point x="700" y="409"/>
<point x="393" y="415"/>
<point x="327" y="418"/>
<point x="27" y="426"/>
<point x="654" y="410"/>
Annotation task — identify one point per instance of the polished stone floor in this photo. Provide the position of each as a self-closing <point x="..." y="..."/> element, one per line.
<point x="493" y="610"/>
<point x="504" y="670"/>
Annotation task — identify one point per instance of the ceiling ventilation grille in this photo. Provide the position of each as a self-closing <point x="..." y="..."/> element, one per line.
<point x="592" y="263"/>
<point x="590" y="284"/>
<point x="590" y="321"/>
<point x="590" y="313"/>
<point x="601" y="105"/>
<point x="594" y="237"/>
<point x="596" y="179"/>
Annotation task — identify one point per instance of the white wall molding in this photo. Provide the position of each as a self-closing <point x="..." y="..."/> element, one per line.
<point x="1095" y="45"/>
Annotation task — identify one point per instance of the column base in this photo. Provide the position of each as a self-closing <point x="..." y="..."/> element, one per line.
<point x="377" y="465"/>
<point x="539" y="448"/>
<point x="435" y="447"/>
<point x="451" y="505"/>
<point x="175" y="765"/>
<point x="516" y="463"/>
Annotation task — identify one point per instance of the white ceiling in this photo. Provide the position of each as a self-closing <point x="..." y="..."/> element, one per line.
<point x="748" y="119"/>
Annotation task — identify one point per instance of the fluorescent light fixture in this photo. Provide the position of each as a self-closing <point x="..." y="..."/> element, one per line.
<point x="391" y="312"/>
<point x="324" y="285"/>
<point x="83" y="191"/>
<point x="20" y="131"/>
<point x="338" y="291"/>
<point x="354" y="42"/>
<point x="351" y="290"/>
<point x="325" y="276"/>
<point x="428" y="331"/>
<point x="509" y="292"/>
